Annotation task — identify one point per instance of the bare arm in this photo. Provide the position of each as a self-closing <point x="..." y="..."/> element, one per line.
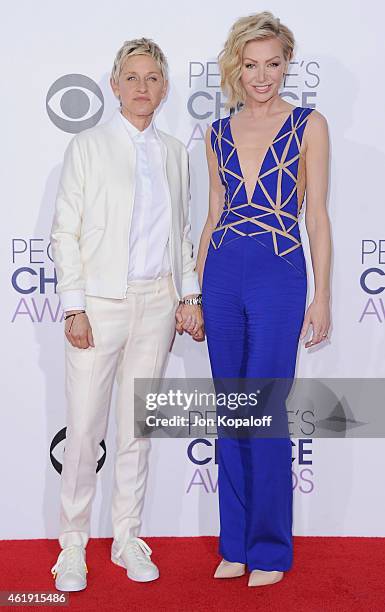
<point x="317" y="224"/>
<point x="216" y="199"/>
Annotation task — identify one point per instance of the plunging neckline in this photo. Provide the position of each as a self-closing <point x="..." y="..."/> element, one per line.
<point x="264" y="157"/>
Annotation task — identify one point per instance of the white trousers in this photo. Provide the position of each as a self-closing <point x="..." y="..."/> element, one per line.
<point x="132" y="339"/>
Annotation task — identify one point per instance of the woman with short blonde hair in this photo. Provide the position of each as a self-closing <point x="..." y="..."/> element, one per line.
<point x="139" y="46"/>
<point x="253" y="275"/>
<point x="124" y="260"/>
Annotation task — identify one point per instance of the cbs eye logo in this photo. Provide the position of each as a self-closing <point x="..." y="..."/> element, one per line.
<point x="59" y="438"/>
<point x="68" y="105"/>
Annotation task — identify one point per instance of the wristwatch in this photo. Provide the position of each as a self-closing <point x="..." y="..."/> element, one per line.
<point x="192" y="301"/>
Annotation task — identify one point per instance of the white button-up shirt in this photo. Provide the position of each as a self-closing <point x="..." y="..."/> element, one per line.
<point x="150" y="225"/>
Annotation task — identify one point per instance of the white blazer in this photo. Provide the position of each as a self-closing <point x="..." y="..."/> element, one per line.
<point x="94" y="205"/>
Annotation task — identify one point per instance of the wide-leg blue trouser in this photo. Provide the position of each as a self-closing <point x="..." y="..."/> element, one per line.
<point x="253" y="304"/>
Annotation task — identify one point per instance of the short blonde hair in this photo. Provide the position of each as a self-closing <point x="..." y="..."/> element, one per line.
<point x="254" y="27"/>
<point x="139" y="46"/>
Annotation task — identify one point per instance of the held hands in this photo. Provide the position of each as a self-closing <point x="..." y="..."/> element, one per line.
<point x="189" y="318"/>
<point x="78" y="330"/>
<point x="318" y="315"/>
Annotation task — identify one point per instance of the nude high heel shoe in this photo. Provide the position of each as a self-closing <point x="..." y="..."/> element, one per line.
<point x="261" y="577"/>
<point x="229" y="569"/>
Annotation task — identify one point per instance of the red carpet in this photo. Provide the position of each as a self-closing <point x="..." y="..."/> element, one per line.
<point x="329" y="575"/>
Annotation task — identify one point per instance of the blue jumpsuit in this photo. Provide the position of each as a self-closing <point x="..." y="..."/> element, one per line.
<point x="254" y="297"/>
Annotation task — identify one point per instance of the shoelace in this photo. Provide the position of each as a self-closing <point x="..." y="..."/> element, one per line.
<point x="140" y="544"/>
<point x="71" y="555"/>
<point x="138" y="547"/>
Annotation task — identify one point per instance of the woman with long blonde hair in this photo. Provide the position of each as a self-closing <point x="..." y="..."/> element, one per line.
<point x="252" y="270"/>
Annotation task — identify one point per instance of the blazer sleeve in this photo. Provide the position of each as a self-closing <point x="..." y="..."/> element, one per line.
<point x="65" y="231"/>
<point x="190" y="282"/>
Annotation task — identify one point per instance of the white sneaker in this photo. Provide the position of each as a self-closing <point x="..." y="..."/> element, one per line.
<point x="70" y="569"/>
<point x="135" y="557"/>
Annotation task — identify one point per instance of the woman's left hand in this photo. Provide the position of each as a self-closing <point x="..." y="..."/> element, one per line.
<point x="318" y="316"/>
<point x="189" y="318"/>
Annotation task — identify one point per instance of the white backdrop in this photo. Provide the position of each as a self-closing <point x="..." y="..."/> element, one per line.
<point x="337" y="68"/>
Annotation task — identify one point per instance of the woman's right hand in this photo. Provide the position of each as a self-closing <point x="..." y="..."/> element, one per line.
<point x="78" y="330"/>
